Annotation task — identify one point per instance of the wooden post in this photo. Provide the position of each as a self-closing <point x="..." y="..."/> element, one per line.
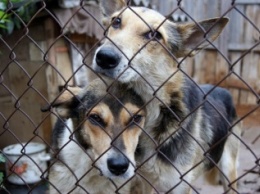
<point x="222" y="65"/>
<point x="51" y="75"/>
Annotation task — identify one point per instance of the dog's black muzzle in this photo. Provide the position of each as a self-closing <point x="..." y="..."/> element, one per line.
<point x="107" y="58"/>
<point x="118" y="164"/>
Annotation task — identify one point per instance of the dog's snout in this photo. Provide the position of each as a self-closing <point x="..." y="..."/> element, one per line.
<point x="118" y="165"/>
<point x="107" y="58"/>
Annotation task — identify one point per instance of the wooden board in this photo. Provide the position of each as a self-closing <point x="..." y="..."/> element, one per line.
<point x="236" y="25"/>
<point x="210" y="66"/>
<point x="198" y="67"/>
<point x="253" y="75"/>
<point x="24" y="115"/>
<point x="237" y="69"/>
<point x="63" y="63"/>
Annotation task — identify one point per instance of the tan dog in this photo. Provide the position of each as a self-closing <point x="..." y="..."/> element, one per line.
<point x="189" y="125"/>
<point x="96" y="139"/>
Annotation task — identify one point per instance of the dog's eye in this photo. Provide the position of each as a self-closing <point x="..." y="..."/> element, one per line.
<point x="116" y="22"/>
<point x="96" y="120"/>
<point x="155" y="35"/>
<point x="137" y="119"/>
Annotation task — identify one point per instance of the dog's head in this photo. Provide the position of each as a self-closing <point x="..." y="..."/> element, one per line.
<point x="106" y="125"/>
<point x="140" y="42"/>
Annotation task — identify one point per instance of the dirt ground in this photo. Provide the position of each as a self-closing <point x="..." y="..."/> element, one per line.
<point x="249" y="160"/>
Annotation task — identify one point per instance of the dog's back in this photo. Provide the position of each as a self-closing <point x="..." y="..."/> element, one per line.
<point x="222" y="96"/>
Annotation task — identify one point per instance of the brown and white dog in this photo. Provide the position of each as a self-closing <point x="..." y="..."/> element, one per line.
<point x="95" y="139"/>
<point x="189" y="126"/>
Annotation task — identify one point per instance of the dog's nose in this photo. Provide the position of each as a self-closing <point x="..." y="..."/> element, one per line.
<point x="107" y="58"/>
<point x="118" y="165"/>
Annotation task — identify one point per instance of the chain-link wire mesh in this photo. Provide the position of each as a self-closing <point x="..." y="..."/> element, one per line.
<point x="48" y="46"/>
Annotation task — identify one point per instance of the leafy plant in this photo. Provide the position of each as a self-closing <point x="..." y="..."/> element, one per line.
<point x="14" y="12"/>
<point x="2" y="160"/>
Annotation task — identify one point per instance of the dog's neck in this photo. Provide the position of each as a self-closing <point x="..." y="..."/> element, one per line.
<point x="158" y="85"/>
<point x="158" y="97"/>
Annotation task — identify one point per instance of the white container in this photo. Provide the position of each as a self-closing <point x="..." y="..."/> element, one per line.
<point x="26" y="165"/>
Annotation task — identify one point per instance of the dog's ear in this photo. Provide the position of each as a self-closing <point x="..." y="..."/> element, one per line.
<point x="108" y="7"/>
<point x="68" y="98"/>
<point x="189" y="38"/>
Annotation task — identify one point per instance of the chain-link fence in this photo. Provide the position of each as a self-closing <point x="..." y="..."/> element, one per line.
<point x="105" y="136"/>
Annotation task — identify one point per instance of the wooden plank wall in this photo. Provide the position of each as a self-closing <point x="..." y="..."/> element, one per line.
<point x="243" y="36"/>
<point x="20" y="101"/>
<point x="27" y="76"/>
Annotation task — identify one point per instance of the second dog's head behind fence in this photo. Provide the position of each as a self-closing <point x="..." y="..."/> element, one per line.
<point x="106" y="125"/>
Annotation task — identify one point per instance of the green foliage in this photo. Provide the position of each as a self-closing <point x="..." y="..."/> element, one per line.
<point x="2" y="160"/>
<point x="15" y="14"/>
<point x="1" y="179"/>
